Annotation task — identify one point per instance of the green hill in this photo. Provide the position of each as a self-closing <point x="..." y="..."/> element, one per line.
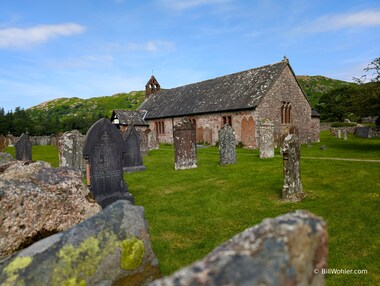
<point x="76" y="107"/>
<point x="316" y="86"/>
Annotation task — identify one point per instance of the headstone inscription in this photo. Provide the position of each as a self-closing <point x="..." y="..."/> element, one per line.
<point x="70" y="147"/>
<point x="227" y="145"/>
<point x="104" y="149"/>
<point x="132" y="160"/>
<point x="185" y="147"/>
<point x="266" y="139"/>
<point x="3" y="142"/>
<point x="24" y="148"/>
<point x="291" y="150"/>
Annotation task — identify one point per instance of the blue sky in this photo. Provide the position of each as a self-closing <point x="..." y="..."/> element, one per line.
<point x="83" y="48"/>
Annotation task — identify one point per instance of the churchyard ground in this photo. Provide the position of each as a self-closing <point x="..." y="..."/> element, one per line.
<point x="190" y="212"/>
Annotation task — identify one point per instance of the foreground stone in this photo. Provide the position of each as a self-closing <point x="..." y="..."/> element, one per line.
<point x="111" y="248"/>
<point x="288" y="250"/>
<point x="37" y="200"/>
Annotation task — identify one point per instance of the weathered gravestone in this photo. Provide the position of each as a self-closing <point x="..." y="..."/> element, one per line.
<point x="266" y="139"/>
<point x="143" y="138"/>
<point x="70" y="146"/>
<point x="152" y="139"/>
<point x="227" y="145"/>
<point x="104" y="149"/>
<point x="24" y="148"/>
<point x="339" y="134"/>
<point x="185" y="147"/>
<point x="3" y="142"/>
<point x="132" y="160"/>
<point x="345" y="134"/>
<point x="291" y="151"/>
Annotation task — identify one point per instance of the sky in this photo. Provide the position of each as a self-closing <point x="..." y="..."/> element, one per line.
<point x="82" y="48"/>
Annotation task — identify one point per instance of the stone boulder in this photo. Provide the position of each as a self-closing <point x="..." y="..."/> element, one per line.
<point x="5" y="158"/>
<point x="37" y="200"/>
<point x="111" y="248"/>
<point x="288" y="250"/>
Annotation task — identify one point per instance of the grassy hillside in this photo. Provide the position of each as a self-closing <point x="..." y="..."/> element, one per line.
<point x="67" y="107"/>
<point x="316" y="86"/>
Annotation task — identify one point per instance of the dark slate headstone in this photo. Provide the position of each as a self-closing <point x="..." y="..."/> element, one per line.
<point x="104" y="149"/>
<point x="227" y="145"/>
<point x="132" y="159"/>
<point x="185" y="147"/>
<point x="24" y="148"/>
<point x="3" y="142"/>
<point x="291" y="151"/>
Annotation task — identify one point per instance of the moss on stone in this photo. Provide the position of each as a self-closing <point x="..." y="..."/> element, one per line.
<point x="13" y="268"/>
<point x="132" y="253"/>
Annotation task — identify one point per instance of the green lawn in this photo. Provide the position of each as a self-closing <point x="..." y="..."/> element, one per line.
<point x="190" y="212"/>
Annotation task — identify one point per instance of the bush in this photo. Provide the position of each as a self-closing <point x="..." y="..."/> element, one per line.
<point x="343" y="124"/>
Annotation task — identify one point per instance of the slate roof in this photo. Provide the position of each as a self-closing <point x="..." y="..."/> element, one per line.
<point x="129" y="117"/>
<point x="242" y="90"/>
<point x="315" y="113"/>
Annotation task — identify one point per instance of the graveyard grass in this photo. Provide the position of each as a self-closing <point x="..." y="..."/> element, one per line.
<point x="190" y="212"/>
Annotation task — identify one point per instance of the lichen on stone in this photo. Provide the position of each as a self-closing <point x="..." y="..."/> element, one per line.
<point x="13" y="268"/>
<point x="78" y="263"/>
<point x="132" y="253"/>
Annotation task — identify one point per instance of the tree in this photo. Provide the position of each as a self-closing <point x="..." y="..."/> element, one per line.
<point x="374" y="67"/>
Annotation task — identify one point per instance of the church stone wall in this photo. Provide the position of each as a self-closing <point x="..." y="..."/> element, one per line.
<point x="286" y="89"/>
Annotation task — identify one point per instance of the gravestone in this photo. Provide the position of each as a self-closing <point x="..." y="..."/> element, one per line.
<point x="10" y="139"/>
<point x="345" y="134"/>
<point x="185" y="147"/>
<point x="291" y="152"/>
<point x="152" y="139"/>
<point x="70" y="147"/>
<point x="24" y="148"/>
<point x="3" y="142"/>
<point x="143" y="137"/>
<point x="132" y="160"/>
<point x="266" y="139"/>
<point x="104" y="149"/>
<point x="339" y="134"/>
<point x="227" y="145"/>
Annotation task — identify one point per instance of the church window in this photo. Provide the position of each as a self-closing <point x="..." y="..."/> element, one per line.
<point x="227" y="120"/>
<point x="286" y="108"/>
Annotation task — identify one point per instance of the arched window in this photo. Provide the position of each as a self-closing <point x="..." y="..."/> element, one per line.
<point x="286" y="112"/>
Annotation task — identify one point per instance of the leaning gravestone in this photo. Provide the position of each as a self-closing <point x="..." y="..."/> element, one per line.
<point x="227" y="145"/>
<point x="291" y="151"/>
<point x="104" y="149"/>
<point x="24" y="148"/>
<point x="132" y="160"/>
<point x="3" y="142"/>
<point x="185" y="148"/>
<point x="70" y="146"/>
<point x="266" y="139"/>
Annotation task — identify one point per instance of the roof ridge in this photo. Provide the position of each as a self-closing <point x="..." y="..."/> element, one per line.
<point x="231" y="74"/>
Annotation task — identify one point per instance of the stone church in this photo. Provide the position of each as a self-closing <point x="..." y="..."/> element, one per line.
<point x="242" y="100"/>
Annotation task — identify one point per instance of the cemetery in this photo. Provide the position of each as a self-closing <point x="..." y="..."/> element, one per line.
<point x="218" y="192"/>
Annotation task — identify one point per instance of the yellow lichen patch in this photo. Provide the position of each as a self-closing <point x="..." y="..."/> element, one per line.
<point x="75" y="264"/>
<point x="14" y="267"/>
<point x="132" y="253"/>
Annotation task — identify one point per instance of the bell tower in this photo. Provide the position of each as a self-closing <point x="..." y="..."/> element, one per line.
<point x="152" y="87"/>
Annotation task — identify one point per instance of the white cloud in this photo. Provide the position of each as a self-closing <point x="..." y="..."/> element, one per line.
<point x="26" y="37"/>
<point x="189" y="4"/>
<point x="365" y="18"/>
<point x="151" y="46"/>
